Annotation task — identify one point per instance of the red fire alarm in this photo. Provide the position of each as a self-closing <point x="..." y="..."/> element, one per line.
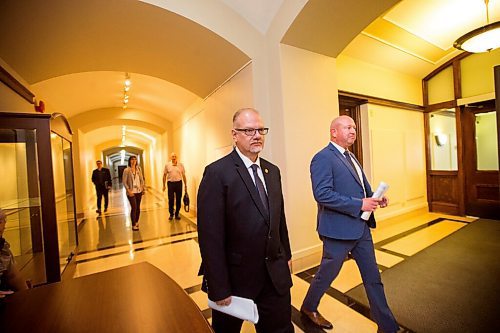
<point x="39" y="106"/>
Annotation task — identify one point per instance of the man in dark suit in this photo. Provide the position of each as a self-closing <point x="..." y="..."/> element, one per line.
<point x="242" y="231"/>
<point x="101" y="177"/>
<point x="343" y="193"/>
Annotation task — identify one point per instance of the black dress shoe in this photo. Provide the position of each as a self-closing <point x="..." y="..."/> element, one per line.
<point x="177" y="217"/>
<point x="316" y="318"/>
<point x="171" y="217"/>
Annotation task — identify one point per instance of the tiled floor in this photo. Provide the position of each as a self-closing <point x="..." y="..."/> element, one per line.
<point x="108" y="242"/>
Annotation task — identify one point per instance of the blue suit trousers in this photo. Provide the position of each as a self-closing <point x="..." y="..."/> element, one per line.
<point x="334" y="253"/>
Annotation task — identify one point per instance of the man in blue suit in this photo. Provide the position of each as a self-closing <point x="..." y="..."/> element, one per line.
<point x="343" y="193"/>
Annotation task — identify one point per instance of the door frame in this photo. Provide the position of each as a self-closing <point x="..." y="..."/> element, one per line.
<point x="472" y="204"/>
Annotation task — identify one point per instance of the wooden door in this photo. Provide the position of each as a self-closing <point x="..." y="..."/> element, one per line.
<point x="349" y="106"/>
<point x="482" y="194"/>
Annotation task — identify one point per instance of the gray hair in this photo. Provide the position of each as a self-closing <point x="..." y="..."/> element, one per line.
<point x="240" y="111"/>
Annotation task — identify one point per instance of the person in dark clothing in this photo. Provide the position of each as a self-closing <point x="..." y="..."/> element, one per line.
<point x="101" y="177"/>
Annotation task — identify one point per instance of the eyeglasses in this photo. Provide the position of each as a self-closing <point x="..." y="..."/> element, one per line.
<point x="252" y="131"/>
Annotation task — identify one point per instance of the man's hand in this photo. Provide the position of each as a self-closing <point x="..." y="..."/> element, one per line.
<point x="370" y="204"/>
<point x="163" y="187"/>
<point x="224" y="302"/>
<point x="384" y="202"/>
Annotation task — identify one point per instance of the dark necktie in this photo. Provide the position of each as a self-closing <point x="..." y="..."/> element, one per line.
<point x="348" y="158"/>
<point x="260" y="187"/>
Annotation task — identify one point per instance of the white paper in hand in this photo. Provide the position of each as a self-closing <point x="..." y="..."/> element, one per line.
<point x="243" y="308"/>
<point x="379" y="193"/>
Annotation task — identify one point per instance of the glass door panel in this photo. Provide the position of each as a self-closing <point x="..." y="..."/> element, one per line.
<point x="443" y="140"/>
<point x="63" y="191"/>
<point x="486" y="140"/>
<point x="20" y="199"/>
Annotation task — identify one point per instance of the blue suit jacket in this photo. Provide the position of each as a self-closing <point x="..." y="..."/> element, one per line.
<point x="339" y="195"/>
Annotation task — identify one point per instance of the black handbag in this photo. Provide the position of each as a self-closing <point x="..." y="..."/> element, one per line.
<point x="186" y="202"/>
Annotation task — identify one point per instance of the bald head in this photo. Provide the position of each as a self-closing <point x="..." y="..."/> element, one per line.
<point x="173" y="158"/>
<point x="343" y="131"/>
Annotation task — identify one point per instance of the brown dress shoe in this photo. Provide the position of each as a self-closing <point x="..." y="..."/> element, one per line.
<point x="400" y="330"/>
<point x="317" y="318"/>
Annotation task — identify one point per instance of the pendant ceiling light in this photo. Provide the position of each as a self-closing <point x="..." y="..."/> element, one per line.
<point x="483" y="39"/>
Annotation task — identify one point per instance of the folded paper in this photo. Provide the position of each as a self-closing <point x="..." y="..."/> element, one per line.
<point x="240" y="307"/>
<point x="379" y="193"/>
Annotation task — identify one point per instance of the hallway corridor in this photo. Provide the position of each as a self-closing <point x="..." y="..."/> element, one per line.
<point x="107" y="242"/>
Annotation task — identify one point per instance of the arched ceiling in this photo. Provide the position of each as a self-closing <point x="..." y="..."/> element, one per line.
<point x="77" y="93"/>
<point x="67" y="37"/>
<point x="126" y="135"/>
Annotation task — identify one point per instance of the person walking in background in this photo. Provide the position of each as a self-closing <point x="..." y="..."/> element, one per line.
<point x="10" y="277"/>
<point x="101" y="177"/>
<point x="133" y="181"/>
<point x="242" y="231"/>
<point x="174" y="173"/>
<point x="343" y="193"/>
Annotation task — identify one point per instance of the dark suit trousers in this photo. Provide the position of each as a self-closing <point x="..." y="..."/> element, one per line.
<point x="275" y="314"/>
<point x="101" y="191"/>
<point x="174" y="190"/>
<point x="135" y="207"/>
<point x="334" y="253"/>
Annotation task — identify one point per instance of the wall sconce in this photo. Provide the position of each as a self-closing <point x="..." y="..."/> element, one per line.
<point x="441" y="139"/>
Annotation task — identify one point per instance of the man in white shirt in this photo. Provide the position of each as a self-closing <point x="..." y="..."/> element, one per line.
<point x="174" y="174"/>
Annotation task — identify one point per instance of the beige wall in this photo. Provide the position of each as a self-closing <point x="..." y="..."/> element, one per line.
<point x="203" y="133"/>
<point x="9" y="100"/>
<point x="394" y="152"/>
<point x="477" y="73"/>
<point x="15" y="186"/>
<point x="12" y="102"/>
<point x="363" y="78"/>
<point x="440" y="87"/>
<point x="310" y="102"/>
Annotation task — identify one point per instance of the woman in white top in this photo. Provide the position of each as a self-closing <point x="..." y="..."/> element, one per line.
<point x="133" y="181"/>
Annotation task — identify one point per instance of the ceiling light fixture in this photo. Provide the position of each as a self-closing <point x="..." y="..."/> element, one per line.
<point x="483" y="39"/>
<point x="126" y="89"/>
